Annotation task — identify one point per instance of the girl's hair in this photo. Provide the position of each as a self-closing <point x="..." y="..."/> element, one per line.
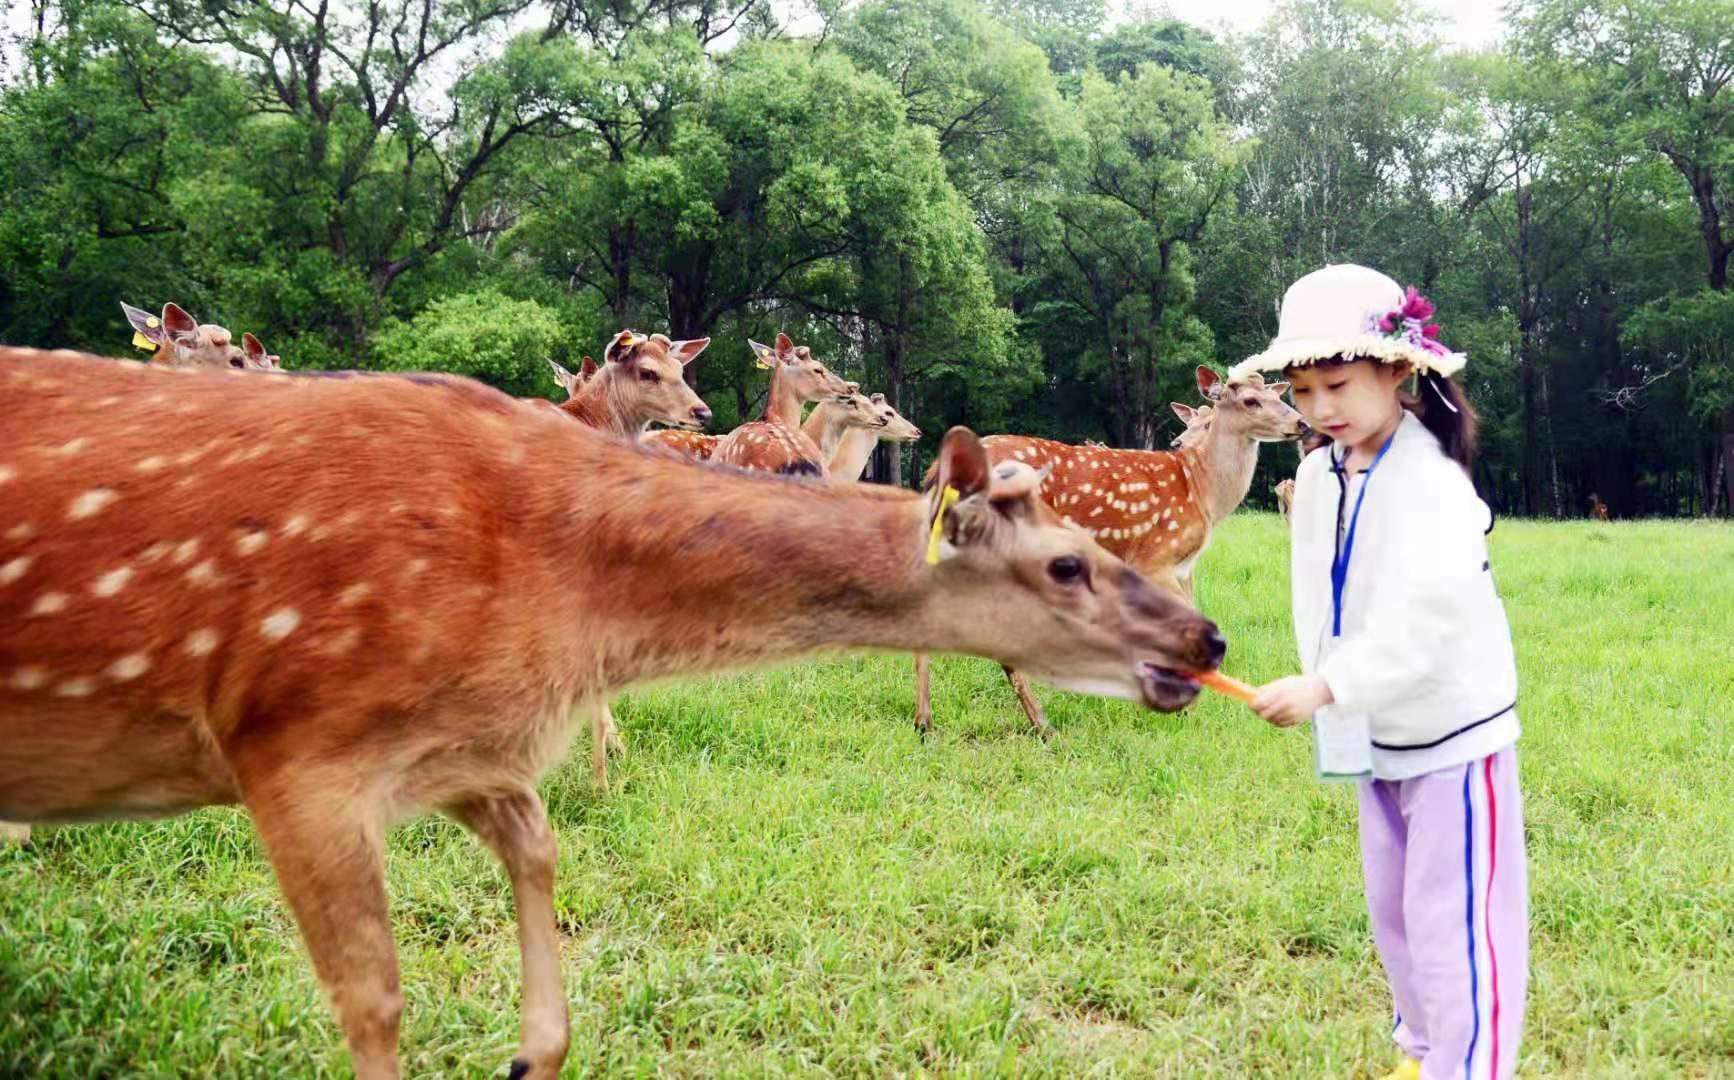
<point x="1455" y="430"/>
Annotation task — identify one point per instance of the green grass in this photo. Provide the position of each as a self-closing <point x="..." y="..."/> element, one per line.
<point x="787" y="882"/>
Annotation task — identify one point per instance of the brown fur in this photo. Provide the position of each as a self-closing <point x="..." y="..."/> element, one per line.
<point x="694" y="444"/>
<point x="1153" y="508"/>
<point x="401" y="613"/>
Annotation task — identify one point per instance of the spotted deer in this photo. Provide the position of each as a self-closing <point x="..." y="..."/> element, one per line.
<point x="697" y="445"/>
<point x="846" y="431"/>
<point x="1154" y="508"/>
<point x="1197" y="422"/>
<point x="774" y="442"/>
<point x="1284" y="496"/>
<point x="570" y="381"/>
<point x="179" y="340"/>
<point x="391" y="621"/>
<point x="640" y="381"/>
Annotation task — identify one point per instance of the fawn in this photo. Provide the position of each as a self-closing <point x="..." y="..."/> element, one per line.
<point x="1155" y="509"/>
<point x="391" y="620"/>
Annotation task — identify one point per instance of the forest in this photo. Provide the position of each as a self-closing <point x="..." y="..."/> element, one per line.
<point x="1031" y="216"/>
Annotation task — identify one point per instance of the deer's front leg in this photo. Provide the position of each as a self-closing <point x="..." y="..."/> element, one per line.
<point x="923" y="703"/>
<point x="14" y="834"/>
<point x="515" y="828"/>
<point x="1027" y="698"/>
<point x="326" y="849"/>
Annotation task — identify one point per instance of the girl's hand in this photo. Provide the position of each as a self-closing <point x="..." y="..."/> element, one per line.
<point x="1286" y="702"/>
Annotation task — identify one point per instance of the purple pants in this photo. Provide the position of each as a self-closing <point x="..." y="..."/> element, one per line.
<point x="1448" y="893"/>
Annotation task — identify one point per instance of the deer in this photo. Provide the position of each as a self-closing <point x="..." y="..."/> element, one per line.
<point x="572" y="382"/>
<point x="847" y="430"/>
<point x="775" y="443"/>
<point x="1155" y="509"/>
<point x="1284" y="496"/>
<point x="391" y="621"/>
<point x="1598" y="509"/>
<point x="179" y="340"/>
<point x="1197" y="422"/>
<point x="697" y="445"/>
<point x="639" y="381"/>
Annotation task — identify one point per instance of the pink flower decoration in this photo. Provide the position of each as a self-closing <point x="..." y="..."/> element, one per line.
<point x="1387" y="324"/>
<point x="1416" y="306"/>
<point x="1430" y="331"/>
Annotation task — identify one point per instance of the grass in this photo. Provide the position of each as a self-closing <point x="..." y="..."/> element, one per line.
<point x="787" y="882"/>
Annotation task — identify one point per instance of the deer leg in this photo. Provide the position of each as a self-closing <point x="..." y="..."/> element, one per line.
<point x="923" y="702"/>
<point x="1027" y="698"/>
<point x="599" y="721"/>
<point x="329" y="862"/>
<point x="611" y="734"/>
<point x="515" y="828"/>
<point x="14" y="834"/>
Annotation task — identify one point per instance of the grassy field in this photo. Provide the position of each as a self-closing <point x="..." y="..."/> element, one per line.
<point x="787" y="882"/>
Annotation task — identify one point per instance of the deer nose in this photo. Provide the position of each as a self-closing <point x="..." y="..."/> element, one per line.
<point x="1215" y="646"/>
<point x="701" y="413"/>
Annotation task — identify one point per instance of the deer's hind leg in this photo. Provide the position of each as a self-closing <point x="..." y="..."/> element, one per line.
<point x="515" y="827"/>
<point x="923" y="696"/>
<point x="327" y="853"/>
<point x="1027" y="698"/>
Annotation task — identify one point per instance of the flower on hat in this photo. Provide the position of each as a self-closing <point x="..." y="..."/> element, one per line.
<point x="1409" y="323"/>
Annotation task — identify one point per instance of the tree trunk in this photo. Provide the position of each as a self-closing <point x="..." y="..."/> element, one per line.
<point x="1725" y="463"/>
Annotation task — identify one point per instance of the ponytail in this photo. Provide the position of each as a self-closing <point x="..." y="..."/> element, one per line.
<point x="1444" y="409"/>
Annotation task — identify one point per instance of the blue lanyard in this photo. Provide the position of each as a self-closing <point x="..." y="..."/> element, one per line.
<point x="1340" y="560"/>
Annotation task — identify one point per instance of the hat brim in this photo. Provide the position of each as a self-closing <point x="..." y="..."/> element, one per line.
<point x="1299" y="352"/>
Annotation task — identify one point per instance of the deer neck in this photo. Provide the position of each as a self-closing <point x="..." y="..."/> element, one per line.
<point x="783" y="405"/>
<point x="599" y="404"/>
<point x="826" y="427"/>
<point x="1221" y="465"/>
<point x="849" y="460"/>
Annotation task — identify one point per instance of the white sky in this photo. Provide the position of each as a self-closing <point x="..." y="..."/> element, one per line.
<point x="1462" y="23"/>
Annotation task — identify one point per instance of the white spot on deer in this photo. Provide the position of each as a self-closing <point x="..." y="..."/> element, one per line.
<point x="112" y="582"/>
<point x="129" y="667"/>
<point x="341" y="642"/>
<point x="1084" y="488"/>
<point x="295" y="526"/>
<point x="49" y="603"/>
<point x="1068" y="520"/>
<point x="257" y="452"/>
<point x="7" y="473"/>
<point x="1021" y="455"/>
<point x="204" y="574"/>
<point x="90" y="504"/>
<point x="108" y="402"/>
<point x="185" y="550"/>
<point x="201" y="642"/>
<point x="280" y="623"/>
<point x="72" y="446"/>
<point x="76" y="688"/>
<point x="15" y="569"/>
<point x="1172" y="525"/>
<point x="354" y="594"/>
<point x="21" y="531"/>
<point x="151" y="464"/>
<point x="1095" y="510"/>
<point x="415" y="568"/>
<point x="29" y="678"/>
<point x="250" y="542"/>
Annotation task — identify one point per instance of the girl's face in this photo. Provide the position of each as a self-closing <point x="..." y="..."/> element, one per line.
<point x="1353" y="403"/>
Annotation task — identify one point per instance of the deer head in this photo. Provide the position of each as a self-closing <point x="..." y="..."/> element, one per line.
<point x="1197" y="422"/>
<point x="892" y="425"/>
<point x="999" y="537"/>
<point x="573" y="382"/>
<point x="641" y="380"/>
<point x="796" y="377"/>
<point x="181" y="341"/>
<point x="1246" y="407"/>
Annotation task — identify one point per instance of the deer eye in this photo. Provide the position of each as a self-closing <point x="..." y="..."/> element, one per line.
<point x="1067" y="569"/>
<point x="236" y="362"/>
<point x="1252" y="403"/>
<point x="646" y="375"/>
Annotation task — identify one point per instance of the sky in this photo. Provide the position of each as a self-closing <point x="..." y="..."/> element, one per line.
<point x="1469" y="24"/>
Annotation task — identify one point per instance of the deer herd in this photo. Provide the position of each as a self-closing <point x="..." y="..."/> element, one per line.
<point x="342" y="599"/>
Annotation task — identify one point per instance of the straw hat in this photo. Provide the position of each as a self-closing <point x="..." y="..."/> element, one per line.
<point x="1353" y="311"/>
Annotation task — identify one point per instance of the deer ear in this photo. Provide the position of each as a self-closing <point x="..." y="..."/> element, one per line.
<point x="588" y="371"/>
<point x="180" y="327"/>
<point x="254" y="348"/>
<point x="562" y="377"/>
<point x="954" y="514"/>
<point x="878" y="399"/>
<point x="1184" y="412"/>
<point x="1277" y="388"/>
<point x="144" y="324"/>
<point x="764" y="354"/>
<point x="687" y="351"/>
<point x="784" y="345"/>
<point x="1209" y="382"/>
<point x="962" y="462"/>
<point x="621" y="347"/>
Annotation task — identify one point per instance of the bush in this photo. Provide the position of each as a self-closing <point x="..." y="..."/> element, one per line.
<point x="485" y="335"/>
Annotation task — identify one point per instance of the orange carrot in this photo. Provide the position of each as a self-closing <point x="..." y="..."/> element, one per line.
<point x="1226" y="684"/>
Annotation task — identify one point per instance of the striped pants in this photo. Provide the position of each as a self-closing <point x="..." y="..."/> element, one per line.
<point x="1448" y="893"/>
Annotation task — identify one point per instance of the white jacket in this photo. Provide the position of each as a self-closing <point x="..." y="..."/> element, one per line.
<point x="1425" y="652"/>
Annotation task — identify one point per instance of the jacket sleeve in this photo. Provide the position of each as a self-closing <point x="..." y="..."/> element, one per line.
<point x="1305" y="560"/>
<point x="1432" y="554"/>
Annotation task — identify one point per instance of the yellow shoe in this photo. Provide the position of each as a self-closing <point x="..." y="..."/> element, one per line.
<point x="1409" y="1070"/>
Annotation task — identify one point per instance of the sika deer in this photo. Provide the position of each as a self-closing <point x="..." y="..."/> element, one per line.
<point x="775" y="443"/>
<point x="697" y="445"/>
<point x="391" y="619"/>
<point x="847" y="429"/>
<point x="181" y="341"/>
<point x="573" y="382"/>
<point x="1155" y="509"/>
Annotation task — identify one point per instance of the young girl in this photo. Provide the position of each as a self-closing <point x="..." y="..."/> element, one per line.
<point x="1397" y="620"/>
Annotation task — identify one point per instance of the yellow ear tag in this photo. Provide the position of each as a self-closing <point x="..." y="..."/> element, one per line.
<point x="143" y="342"/>
<point x="946" y="498"/>
<point x="763" y="366"/>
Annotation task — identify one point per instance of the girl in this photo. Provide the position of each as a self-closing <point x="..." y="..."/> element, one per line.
<point x="1397" y="619"/>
